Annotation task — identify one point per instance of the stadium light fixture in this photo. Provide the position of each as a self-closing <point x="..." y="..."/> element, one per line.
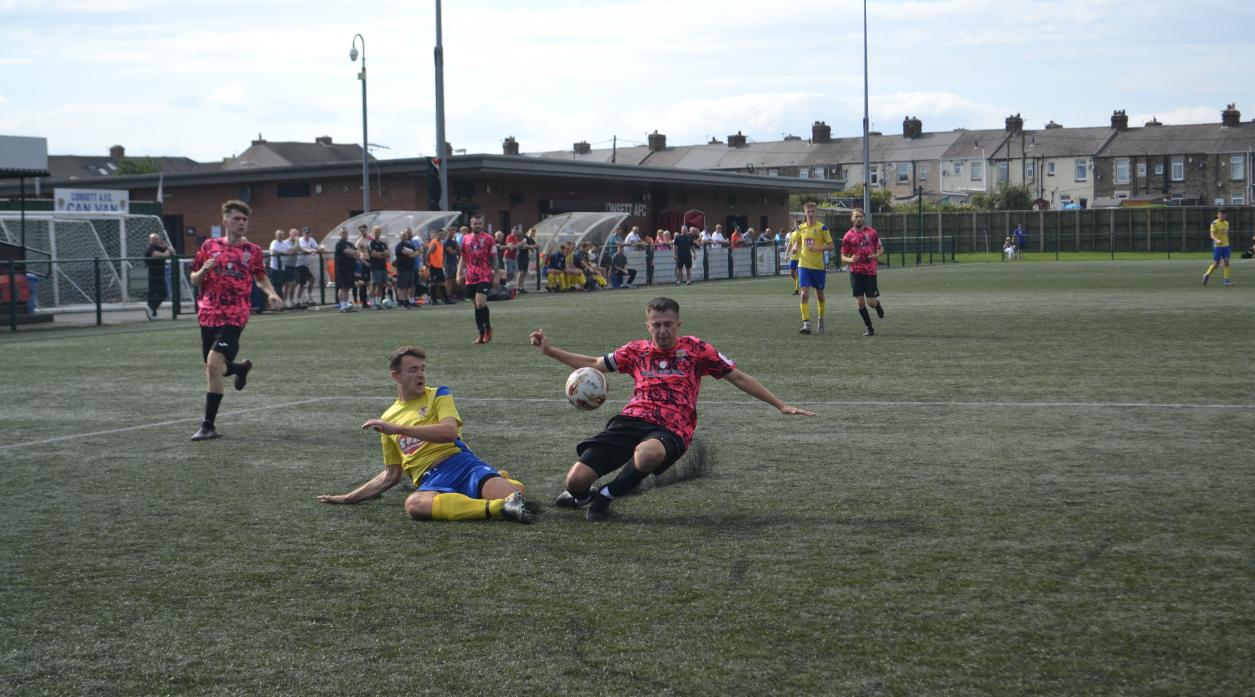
<point x="353" y="53"/>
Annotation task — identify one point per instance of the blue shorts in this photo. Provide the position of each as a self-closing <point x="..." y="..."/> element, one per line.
<point x="792" y="265"/>
<point x="463" y="473"/>
<point x="811" y="278"/>
<point x="1218" y="253"/>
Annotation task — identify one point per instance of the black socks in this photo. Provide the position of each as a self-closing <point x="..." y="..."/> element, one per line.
<point x="212" y="402"/>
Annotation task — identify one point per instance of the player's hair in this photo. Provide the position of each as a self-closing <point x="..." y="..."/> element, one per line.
<point x="858" y="210"/>
<point x="394" y="358"/>
<point x="663" y="304"/>
<point x="810" y="203"/>
<point x="235" y="205"/>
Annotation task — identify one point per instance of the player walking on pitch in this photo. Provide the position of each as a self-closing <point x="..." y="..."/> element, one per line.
<point x="860" y="248"/>
<point x="656" y="426"/>
<point x="224" y="270"/>
<point x="1220" y="247"/>
<point x="811" y="240"/>
<point x="477" y="262"/>
<point x="421" y="435"/>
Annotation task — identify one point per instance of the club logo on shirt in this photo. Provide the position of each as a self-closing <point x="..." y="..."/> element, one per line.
<point x="662" y="364"/>
<point x="422" y="412"/>
<point x="681" y="354"/>
<point x="410" y="445"/>
<point x="246" y="256"/>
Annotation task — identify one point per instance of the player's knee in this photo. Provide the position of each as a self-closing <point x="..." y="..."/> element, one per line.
<point x="580" y="477"/>
<point x="418" y="505"/>
<point x="649" y="455"/>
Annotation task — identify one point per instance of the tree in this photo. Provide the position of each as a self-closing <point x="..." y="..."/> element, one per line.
<point x="138" y="165"/>
<point x="1004" y="198"/>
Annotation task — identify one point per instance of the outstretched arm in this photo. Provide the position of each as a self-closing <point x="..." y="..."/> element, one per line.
<point x="575" y="360"/>
<point x="752" y="387"/>
<point x="385" y="480"/>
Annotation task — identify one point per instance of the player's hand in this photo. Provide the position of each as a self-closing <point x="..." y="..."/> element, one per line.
<point x="539" y="340"/>
<point x="334" y="498"/>
<point x="209" y="263"/>
<point x="381" y="426"/>
<point x="276" y="302"/>
<point x="794" y="411"/>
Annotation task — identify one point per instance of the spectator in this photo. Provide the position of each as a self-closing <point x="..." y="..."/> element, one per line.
<point x="361" y="281"/>
<point x="555" y="270"/>
<point x="717" y="238"/>
<point x="307" y="269"/>
<point x="612" y="245"/>
<point x="510" y="254"/>
<point x="737" y="240"/>
<point x="155" y="257"/>
<point x="526" y="250"/>
<point x="379" y="257"/>
<point x="582" y="260"/>
<point x="452" y="253"/>
<point x="345" y="269"/>
<point x="407" y="257"/>
<point x="290" y="274"/>
<point x="280" y="255"/>
<point x="619" y="269"/>
<point x="436" y="281"/>
<point x="1008" y="249"/>
<point x="1021" y="239"/>
<point x="633" y="238"/>
<point x="682" y="253"/>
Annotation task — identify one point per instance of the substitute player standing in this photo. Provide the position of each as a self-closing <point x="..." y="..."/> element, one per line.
<point x="860" y="248"/>
<point x="791" y="245"/>
<point x="224" y="270"/>
<point x="812" y="239"/>
<point x="656" y="426"/>
<point x="476" y="265"/>
<point x="421" y="435"/>
<point x="1220" y="247"/>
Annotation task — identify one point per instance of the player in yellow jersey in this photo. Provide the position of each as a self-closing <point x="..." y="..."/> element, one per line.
<point x="791" y="245"/>
<point x="1220" y="247"/>
<point x="812" y="240"/>
<point x="421" y="437"/>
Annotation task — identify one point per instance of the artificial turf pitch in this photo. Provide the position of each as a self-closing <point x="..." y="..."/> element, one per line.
<point x="1035" y="480"/>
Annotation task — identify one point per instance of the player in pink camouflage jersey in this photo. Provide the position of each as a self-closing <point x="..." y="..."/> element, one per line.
<point x="477" y="262"/>
<point x="656" y="426"/>
<point x="224" y="270"/>
<point x="859" y="248"/>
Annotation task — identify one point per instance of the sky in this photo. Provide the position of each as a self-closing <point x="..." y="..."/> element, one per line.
<point x="202" y="80"/>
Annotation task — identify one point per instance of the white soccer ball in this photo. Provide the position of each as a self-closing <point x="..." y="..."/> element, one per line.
<point x="388" y="303"/>
<point x="586" y="388"/>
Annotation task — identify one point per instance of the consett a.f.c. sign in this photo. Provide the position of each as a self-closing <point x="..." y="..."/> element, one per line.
<point x="95" y="201"/>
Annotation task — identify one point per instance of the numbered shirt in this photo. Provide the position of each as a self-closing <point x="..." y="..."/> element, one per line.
<point x="477" y="250"/>
<point x="414" y="455"/>
<point x="861" y="243"/>
<point x="811" y="240"/>
<point x="225" y="294"/>
<point x="668" y="381"/>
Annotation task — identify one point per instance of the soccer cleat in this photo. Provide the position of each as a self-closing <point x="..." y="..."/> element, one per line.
<point x="820" y="328"/>
<point x="1206" y="278"/>
<point x="241" y="375"/>
<point x="599" y="509"/>
<point x="206" y="433"/>
<point x="1227" y="283"/>
<point x="150" y="313"/>
<point x="869" y="332"/>
<point x="478" y="340"/>
<point x="880" y="311"/>
<point x="806" y="328"/>
<point x="566" y="500"/>
<point x="797" y="292"/>
<point x="515" y="510"/>
<point x="487" y="334"/>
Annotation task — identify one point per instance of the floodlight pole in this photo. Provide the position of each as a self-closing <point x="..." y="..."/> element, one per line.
<point x="867" y="177"/>
<point x="365" y="142"/>
<point x="442" y="156"/>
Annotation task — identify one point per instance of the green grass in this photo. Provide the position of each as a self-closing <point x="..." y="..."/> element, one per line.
<point x="1035" y="480"/>
<point x="1051" y="256"/>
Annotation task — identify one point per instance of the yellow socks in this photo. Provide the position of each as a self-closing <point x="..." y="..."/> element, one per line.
<point x="1210" y="269"/>
<point x="821" y="308"/>
<point x="459" y="507"/>
<point x="1226" y="273"/>
<point x="806" y="312"/>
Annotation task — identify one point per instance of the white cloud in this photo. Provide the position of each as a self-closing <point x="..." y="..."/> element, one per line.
<point x="230" y="95"/>
<point x="1179" y="115"/>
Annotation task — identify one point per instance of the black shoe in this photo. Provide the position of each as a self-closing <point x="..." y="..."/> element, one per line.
<point x="241" y="374"/>
<point x="869" y="332"/>
<point x="880" y="311"/>
<point x="515" y="510"/>
<point x="206" y="433"/>
<point x="599" y="509"/>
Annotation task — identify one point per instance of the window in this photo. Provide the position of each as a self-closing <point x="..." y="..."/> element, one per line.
<point x="978" y="170"/>
<point x="904" y="173"/>
<point x="1050" y="168"/>
<point x="1082" y="172"/>
<point x="1065" y="199"/>
<point x="1237" y="199"/>
<point x="1030" y="170"/>
<point x="1122" y="171"/>
<point x="1237" y="167"/>
<point x="293" y="189"/>
<point x="803" y="173"/>
<point x="1219" y="201"/>
<point x="958" y="167"/>
<point x="1176" y="198"/>
<point x="923" y="172"/>
<point x="875" y="175"/>
<point x="773" y="172"/>
<point x="1004" y="172"/>
<point x="1141" y="169"/>
<point x="1178" y="169"/>
<point x="1158" y="168"/>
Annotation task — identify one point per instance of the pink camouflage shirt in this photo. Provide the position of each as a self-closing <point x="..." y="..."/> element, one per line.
<point x="668" y="381"/>
<point x="856" y="244"/>
<point x="477" y="250"/>
<point x="226" y="291"/>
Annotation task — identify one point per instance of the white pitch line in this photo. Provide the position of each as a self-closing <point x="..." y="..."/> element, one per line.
<point x="703" y="404"/>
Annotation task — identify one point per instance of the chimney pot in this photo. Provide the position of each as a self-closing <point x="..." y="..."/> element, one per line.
<point x="1231" y="116"/>
<point x="323" y="140"/>
<point x="510" y="146"/>
<point x="821" y="132"/>
<point x="117" y="152"/>
<point x="582" y="148"/>
<point x="1120" y="120"/>
<point x="657" y="141"/>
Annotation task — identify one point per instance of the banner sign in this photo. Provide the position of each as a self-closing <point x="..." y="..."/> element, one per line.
<point x="91" y="201"/>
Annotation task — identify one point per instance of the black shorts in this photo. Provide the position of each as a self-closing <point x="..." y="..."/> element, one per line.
<point x="684" y="261"/>
<point x="864" y="284"/>
<point x="224" y="340"/>
<point x="478" y="288"/>
<point x="609" y="450"/>
<point x="521" y="263"/>
<point x="405" y="279"/>
<point x="303" y="274"/>
<point x="344" y="278"/>
<point x="435" y="275"/>
<point x="277" y="277"/>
